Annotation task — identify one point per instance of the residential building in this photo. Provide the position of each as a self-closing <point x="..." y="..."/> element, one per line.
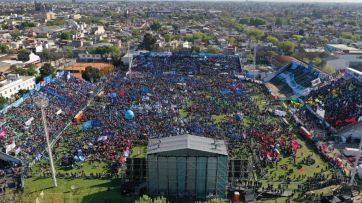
<point x="13" y="83"/>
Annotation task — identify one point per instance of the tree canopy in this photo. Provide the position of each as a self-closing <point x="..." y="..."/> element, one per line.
<point x="4" y="49"/>
<point x="66" y="35"/>
<point x="3" y="102"/>
<point x="91" y="74"/>
<point x="107" y="51"/>
<point x="252" y="21"/>
<point x="351" y="36"/>
<point x="155" y="26"/>
<point x="255" y="33"/>
<point x="47" y="69"/>
<point x="23" y="55"/>
<point x="272" y="39"/>
<point x="212" y="49"/>
<point x="149" y="42"/>
<point x="287" y="47"/>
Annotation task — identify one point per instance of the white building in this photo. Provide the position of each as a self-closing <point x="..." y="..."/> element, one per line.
<point x="98" y="30"/>
<point x="14" y="83"/>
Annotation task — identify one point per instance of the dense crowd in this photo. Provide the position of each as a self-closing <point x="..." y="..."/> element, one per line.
<point x="66" y="95"/>
<point x="339" y="102"/>
<point x="215" y="104"/>
<point x="10" y="176"/>
<point x="167" y="96"/>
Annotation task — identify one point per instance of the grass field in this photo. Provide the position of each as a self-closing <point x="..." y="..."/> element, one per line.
<point x="73" y="190"/>
<point x="139" y="151"/>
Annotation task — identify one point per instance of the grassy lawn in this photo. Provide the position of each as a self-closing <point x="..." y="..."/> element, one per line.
<point x="96" y="167"/>
<point x="84" y="190"/>
<point x="139" y="151"/>
<point x="183" y="113"/>
<point x="273" y="173"/>
<point x="218" y="118"/>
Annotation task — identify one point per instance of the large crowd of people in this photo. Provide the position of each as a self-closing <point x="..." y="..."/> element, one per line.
<point x="339" y="103"/>
<point x="171" y="100"/>
<point x="10" y="176"/>
<point x="24" y="130"/>
<point x="160" y="96"/>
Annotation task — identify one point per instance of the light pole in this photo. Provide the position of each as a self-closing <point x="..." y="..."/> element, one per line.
<point x="42" y="102"/>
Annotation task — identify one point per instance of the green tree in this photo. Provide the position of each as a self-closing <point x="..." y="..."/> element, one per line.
<point x="244" y="21"/>
<point x="3" y="102"/>
<point x="231" y="40"/>
<point x="317" y="61"/>
<point x="329" y="69"/>
<point x="15" y="35"/>
<point x="149" y="42"/>
<point x="272" y="39"/>
<point x="287" y="47"/>
<point x="255" y="33"/>
<point x="28" y="24"/>
<point x="250" y="57"/>
<point x="107" y="51"/>
<point x="66" y="35"/>
<point x="256" y="21"/>
<point x="31" y="70"/>
<point x="155" y="26"/>
<point x="252" y="21"/>
<point x="18" y="70"/>
<point x="136" y="33"/>
<point x="168" y="37"/>
<point x="68" y="52"/>
<point x="351" y="36"/>
<point x="23" y="55"/>
<point x="278" y="21"/>
<point x="298" y="37"/>
<point x="47" y="69"/>
<point x="212" y="49"/>
<point x="56" y="22"/>
<point x="196" y="48"/>
<point x="91" y="74"/>
<point x="306" y="60"/>
<point x="20" y="93"/>
<point x="4" y="49"/>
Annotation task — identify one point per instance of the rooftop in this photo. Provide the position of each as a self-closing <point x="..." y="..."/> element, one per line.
<point x="188" y="142"/>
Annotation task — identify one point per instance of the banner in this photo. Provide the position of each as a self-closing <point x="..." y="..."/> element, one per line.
<point x="28" y="122"/>
<point x="3" y="133"/>
<point x="59" y="112"/>
<point x="18" y="102"/>
<point x="87" y="125"/>
<point x="321" y="112"/>
<point x="102" y="138"/>
<point x="280" y="113"/>
<point x="9" y="147"/>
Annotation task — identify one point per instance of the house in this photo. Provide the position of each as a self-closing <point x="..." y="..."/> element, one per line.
<point x="13" y="83"/>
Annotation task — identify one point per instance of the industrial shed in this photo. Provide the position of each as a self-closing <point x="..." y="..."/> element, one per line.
<point x="187" y="166"/>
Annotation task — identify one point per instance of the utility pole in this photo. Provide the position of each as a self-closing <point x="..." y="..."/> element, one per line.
<point x="42" y="102"/>
<point x="354" y="169"/>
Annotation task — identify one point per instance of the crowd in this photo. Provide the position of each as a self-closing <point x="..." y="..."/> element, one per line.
<point x="168" y="99"/>
<point x="339" y="103"/>
<point x="168" y="96"/>
<point x="10" y="176"/>
<point x="24" y="130"/>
